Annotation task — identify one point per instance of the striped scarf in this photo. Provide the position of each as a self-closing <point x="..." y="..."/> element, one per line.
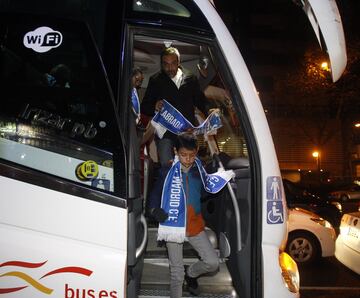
<point x="173" y="199"/>
<point x="169" y="118"/>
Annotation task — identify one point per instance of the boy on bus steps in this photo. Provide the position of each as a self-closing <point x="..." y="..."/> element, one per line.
<point x="179" y="214"/>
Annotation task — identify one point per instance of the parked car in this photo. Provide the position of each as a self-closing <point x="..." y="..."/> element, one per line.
<point x="349" y="192"/>
<point x="310" y="236"/>
<point x="297" y="196"/>
<point x="347" y="247"/>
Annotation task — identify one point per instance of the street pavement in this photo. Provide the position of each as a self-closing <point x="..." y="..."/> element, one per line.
<point x="328" y="278"/>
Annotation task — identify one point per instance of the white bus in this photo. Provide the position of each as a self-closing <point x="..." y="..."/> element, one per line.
<point x="72" y="180"/>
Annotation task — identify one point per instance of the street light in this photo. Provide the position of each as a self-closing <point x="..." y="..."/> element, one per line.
<point x="325" y="66"/>
<point x="316" y="154"/>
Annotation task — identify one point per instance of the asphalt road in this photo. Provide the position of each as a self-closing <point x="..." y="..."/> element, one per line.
<point x="328" y="278"/>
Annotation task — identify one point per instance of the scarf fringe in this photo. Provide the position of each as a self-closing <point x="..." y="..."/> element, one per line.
<point x="171" y="234"/>
<point x="159" y="129"/>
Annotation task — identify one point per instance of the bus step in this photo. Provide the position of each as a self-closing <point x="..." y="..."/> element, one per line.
<point x="148" y="293"/>
<point x="155" y="277"/>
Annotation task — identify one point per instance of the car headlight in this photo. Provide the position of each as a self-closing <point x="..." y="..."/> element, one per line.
<point x="322" y="222"/>
<point x="289" y="272"/>
<point x="344" y="230"/>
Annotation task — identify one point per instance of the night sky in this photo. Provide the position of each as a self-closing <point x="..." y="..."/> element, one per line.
<point x="277" y="34"/>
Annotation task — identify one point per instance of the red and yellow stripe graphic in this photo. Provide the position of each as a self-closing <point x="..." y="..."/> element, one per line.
<point x="31" y="281"/>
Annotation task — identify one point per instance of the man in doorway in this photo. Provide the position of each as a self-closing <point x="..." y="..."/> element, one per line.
<point x="181" y="89"/>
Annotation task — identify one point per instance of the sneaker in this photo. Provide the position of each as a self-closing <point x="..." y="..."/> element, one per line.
<point x="191" y="282"/>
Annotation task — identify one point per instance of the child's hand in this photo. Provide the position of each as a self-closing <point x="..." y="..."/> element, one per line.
<point x="159" y="214"/>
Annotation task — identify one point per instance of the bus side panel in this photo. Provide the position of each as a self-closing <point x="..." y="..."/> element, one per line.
<point x="60" y="245"/>
<point x="264" y="164"/>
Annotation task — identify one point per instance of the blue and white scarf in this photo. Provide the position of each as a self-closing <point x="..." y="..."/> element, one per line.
<point x="135" y="103"/>
<point x="169" y="118"/>
<point x="173" y="199"/>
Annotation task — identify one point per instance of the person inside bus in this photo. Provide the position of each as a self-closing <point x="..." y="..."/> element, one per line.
<point x="59" y="76"/>
<point x="181" y="89"/>
<point x="137" y="78"/>
<point x="186" y="150"/>
<point x="213" y="87"/>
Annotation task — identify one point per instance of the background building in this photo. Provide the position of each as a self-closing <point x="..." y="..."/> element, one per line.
<point x="307" y="112"/>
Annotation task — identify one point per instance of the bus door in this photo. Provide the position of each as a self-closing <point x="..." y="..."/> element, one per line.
<point x="325" y="19"/>
<point x="235" y="220"/>
<point x="250" y="218"/>
<point x="63" y="213"/>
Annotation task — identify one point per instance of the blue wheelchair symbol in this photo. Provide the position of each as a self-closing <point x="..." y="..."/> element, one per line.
<point x="101" y="184"/>
<point x="275" y="212"/>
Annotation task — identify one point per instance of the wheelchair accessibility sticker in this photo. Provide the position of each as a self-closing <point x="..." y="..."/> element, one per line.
<point x="274" y="210"/>
<point x="101" y="184"/>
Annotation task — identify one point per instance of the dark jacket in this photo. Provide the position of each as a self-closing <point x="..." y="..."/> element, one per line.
<point x="184" y="99"/>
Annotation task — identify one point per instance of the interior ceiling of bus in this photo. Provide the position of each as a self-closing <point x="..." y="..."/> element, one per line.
<point x="147" y="52"/>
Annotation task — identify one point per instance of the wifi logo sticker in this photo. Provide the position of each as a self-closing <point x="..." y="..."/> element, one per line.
<point x="42" y="39"/>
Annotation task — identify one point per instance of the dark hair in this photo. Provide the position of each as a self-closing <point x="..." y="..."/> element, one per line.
<point x="135" y="71"/>
<point x="61" y="73"/>
<point x="170" y="51"/>
<point x="187" y="142"/>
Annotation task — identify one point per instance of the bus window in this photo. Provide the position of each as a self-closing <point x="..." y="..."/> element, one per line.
<point x="230" y="138"/>
<point x="56" y="109"/>
<point x="167" y="7"/>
